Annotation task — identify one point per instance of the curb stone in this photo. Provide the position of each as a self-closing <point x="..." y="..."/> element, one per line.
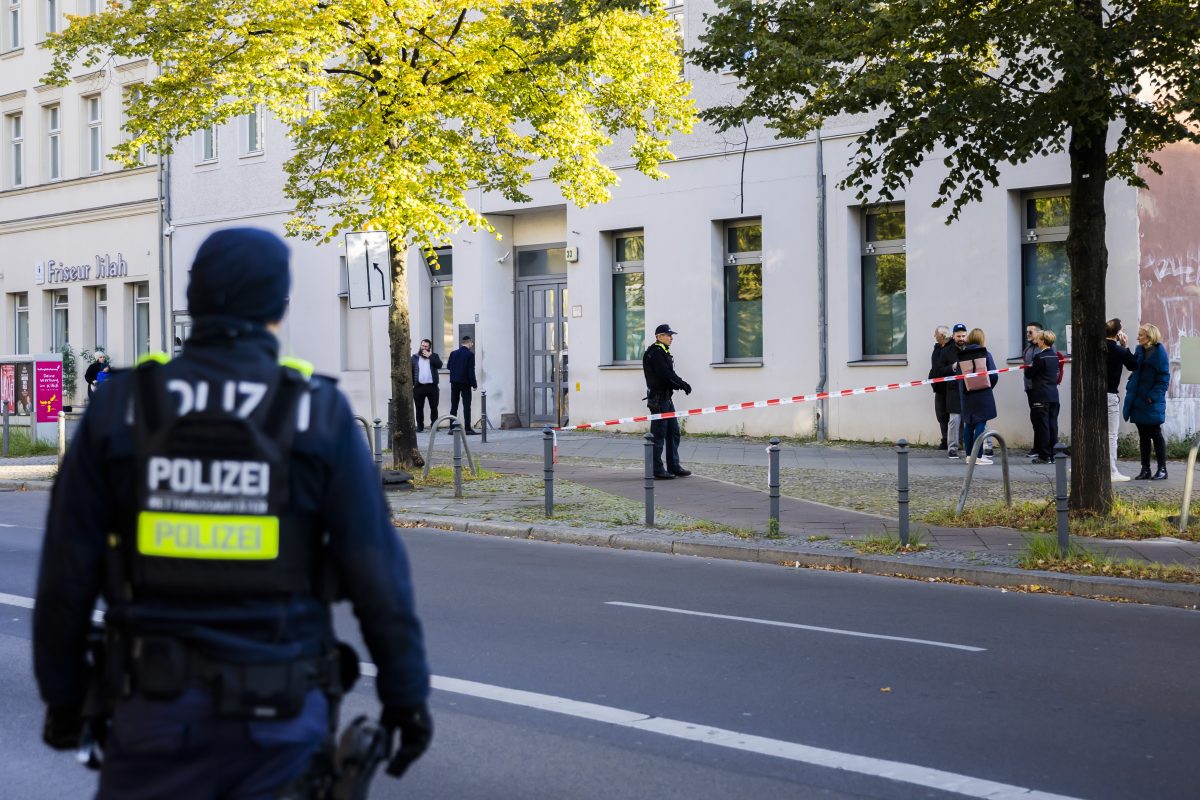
<point x="31" y="485"/>
<point x="1138" y="591"/>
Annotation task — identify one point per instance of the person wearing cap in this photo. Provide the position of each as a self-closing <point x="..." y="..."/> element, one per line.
<point x="219" y="502"/>
<point x="658" y="365"/>
<point x="92" y="375"/>
<point x="946" y="366"/>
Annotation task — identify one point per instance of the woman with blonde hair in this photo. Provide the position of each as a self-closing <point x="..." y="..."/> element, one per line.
<point x="1146" y="399"/>
<point x="978" y="402"/>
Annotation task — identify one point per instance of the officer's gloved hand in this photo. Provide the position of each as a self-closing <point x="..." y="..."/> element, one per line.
<point x="64" y="727"/>
<point x="416" y="730"/>
<point x="687" y="388"/>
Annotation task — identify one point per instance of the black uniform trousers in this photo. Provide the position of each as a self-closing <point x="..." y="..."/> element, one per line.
<point x="1045" y="428"/>
<point x="461" y="391"/>
<point x="665" y="433"/>
<point x="426" y="393"/>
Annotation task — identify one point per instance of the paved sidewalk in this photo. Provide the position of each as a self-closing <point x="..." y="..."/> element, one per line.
<point x="614" y="446"/>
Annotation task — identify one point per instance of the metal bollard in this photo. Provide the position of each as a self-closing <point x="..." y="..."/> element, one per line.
<point x="62" y="436"/>
<point x="483" y="421"/>
<point x="379" y="443"/>
<point x="458" y="448"/>
<point x="1061" y="497"/>
<point x="548" y="468"/>
<point x="773" y="486"/>
<point x="648" y="446"/>
<point x="5" y="450"/>
<point x="902" y="487"/>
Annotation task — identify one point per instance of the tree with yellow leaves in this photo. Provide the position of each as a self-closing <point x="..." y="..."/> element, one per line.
<point x="416" y="102"/>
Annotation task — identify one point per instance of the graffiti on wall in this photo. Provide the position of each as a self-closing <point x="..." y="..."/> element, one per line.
<point x="1169" y="268"/>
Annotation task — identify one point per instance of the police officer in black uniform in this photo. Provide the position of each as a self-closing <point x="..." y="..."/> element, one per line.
<point x="219" y="503"/>
<point x="659" y="367"/>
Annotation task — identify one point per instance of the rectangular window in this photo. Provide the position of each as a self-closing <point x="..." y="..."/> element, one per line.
<point x="101" y="317"/>
<point x="52" y="16"/>
<point x="675" y="12"/>
<point x="16" y="150"/>
<point x="141" y="319"/>
<point x="629" y="297"/>
<point x="12" y="20"/>
<point x="884" y="283"/>
<point x="206" y="145"/>
<point x="21" y="322"/>
<point x="53" y="143"/>
<point x="94" y="6"/>
<point x="60" y="313"/>
<point x="743" y="291"/>
<point x="252" y="132"/>
<point x="95" y="152"/>
<point x="441" y="305"/>
<point x="132" y="95"/>
<point x="1045" y="272"/>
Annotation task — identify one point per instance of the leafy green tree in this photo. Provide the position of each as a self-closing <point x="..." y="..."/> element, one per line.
<point x="396" y="108"/>
<point x="973" y="84"/>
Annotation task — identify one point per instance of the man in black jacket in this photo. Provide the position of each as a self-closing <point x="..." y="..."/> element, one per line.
<point x="461" y="364"/>
<point x="946" y="365"/>
<point x="658" y="365"/>
<point x="425" y="366"/>
<point x="214" y="501"/>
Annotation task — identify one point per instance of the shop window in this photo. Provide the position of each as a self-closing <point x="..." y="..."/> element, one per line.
<point x="629" y="297"/>
<point x="20" y="307"/>
<point x="141" y="319"/>
<point x="60" y="312"/>
<point x="743" y="291"/>
<point x="884" y="283"/>
<point x="1045" y="271"/>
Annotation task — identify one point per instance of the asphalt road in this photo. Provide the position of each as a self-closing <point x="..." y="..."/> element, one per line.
<point x="950" y="685"/>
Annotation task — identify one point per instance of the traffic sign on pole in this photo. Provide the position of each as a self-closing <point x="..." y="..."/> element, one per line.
<point x="369" y="269"/>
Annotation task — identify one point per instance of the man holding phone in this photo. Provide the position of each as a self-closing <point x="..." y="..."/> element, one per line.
<point x="425" y="366"/>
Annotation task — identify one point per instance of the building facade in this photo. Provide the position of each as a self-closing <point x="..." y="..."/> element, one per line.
<point x="728" y="251"/>
<point x="81" y="248"/>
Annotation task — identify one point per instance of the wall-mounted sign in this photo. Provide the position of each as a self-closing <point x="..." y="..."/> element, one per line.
<point x="105" y="266"/>
<point x="368" y="269"/>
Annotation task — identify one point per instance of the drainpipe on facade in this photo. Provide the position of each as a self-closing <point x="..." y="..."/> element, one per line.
<point x="163" y="221"/>
<point x="822" y="327"/>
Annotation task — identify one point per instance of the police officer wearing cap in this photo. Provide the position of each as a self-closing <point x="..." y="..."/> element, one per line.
<point x="219" y="503"/>
<point x="659" y="367"/>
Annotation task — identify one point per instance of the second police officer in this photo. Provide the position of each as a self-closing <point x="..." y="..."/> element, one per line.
<point x="219" y="503"/>
<point x="661" y="381"/>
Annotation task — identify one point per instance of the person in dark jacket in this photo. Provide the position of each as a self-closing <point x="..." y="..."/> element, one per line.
<point x="658" y="365"/>
<point x="425" y="366"/>
<point x="1146" y="399"/>
<point x="941" y="335"/>
<point x="1043" y="396"/>
<point x="1027" y="353"/>
<point x="462" y="380"/>
<point x="978" y="402"/>
<point x="1119" y="359"/>
<point x="92" y="377"/>
<point x="947" y="364"/>
<point x="221" y="647"/>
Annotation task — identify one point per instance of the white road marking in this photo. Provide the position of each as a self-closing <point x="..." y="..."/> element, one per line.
<point x="6" y="525"/>
<point x="27" y="602"/>
<point x="899" y="771"/>
<point x="816" y="628"/>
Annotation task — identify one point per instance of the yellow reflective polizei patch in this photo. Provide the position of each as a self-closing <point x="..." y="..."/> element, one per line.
<point x="227" y="538"/>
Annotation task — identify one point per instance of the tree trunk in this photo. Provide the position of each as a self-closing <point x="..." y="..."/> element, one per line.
<point x="405" y="452"/>
<point x="1091" y="484"/>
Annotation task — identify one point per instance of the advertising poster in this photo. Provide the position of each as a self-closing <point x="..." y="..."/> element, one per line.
<point x="16" y="387"/>
<point x="48" y="375"/>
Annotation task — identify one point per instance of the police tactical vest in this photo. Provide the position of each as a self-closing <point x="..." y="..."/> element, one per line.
<point x="213" y="518"/>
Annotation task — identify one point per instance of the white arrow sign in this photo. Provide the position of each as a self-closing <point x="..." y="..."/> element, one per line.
<point x="369" y="269"/>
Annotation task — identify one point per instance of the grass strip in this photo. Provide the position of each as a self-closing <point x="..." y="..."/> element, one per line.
<point x="1043" y="552"/>
<point x="1129" y="519"/>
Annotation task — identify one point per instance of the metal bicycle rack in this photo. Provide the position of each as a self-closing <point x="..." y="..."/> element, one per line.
<point x="457" y="430"/>
<point x="1188" y="479"/>
<point x="976" y="449"/>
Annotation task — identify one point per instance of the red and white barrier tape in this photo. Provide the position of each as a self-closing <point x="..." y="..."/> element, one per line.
<point x="785" y="401"/>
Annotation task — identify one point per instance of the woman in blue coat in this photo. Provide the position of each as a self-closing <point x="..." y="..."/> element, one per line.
<point x="1146" y="399"/>
<point x="978" y="402"/>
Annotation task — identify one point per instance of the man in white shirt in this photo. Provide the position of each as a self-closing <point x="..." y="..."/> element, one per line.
<point x="425" y="366"/>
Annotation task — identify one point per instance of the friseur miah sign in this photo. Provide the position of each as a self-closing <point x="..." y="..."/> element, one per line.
<point x="104" y="266"/>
